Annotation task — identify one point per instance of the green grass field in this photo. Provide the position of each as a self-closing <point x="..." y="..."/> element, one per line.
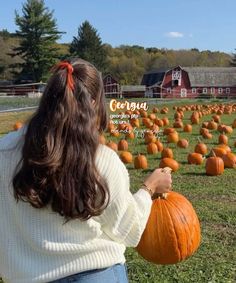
<point x="214" y="199"/>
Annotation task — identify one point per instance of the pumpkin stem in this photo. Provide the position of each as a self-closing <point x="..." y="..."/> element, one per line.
<point x="212" y="153"/>
<point x="160" y="196"/>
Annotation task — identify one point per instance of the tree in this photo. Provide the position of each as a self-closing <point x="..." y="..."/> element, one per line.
<point x="88" y="46"/>
<point x="38" y="34"/>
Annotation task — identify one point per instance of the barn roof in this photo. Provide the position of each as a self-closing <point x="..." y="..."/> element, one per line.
<point x="133" y="88"/>
<point x="211" y="76"/>
<point x="198" y="76"/>
<point x="152" y="78"/>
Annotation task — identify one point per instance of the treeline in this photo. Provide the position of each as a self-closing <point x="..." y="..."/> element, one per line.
<point x="28" y="54"/>
<point x="126" y="63"/>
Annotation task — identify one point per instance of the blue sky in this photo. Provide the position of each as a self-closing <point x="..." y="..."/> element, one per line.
<point x="173" y="24"/>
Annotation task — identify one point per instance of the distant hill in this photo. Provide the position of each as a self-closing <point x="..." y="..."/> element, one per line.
<point x="126" y="63"/>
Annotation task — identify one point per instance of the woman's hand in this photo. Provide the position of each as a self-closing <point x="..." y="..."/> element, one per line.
<point x="159" y="181"/>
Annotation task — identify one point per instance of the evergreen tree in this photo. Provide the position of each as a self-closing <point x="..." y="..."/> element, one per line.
<point x="38" y="34"/>
<point x="88" y="46"/>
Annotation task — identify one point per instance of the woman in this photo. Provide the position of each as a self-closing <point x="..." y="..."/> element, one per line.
<point x="67" y="211"/>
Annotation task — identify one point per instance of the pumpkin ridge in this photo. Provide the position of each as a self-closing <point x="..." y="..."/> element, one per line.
<point x="182" y="251"/>
<point x="187" y="227"/>
<point x="174" y="232"/>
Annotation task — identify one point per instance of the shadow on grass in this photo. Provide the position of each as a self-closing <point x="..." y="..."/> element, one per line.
<point x="194" y="173"/>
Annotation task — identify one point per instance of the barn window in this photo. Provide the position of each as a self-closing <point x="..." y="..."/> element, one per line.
<point x="109" y="79"/>
<point x="212" y="90"/>
<point x="204" y="90"/>
<point x="168" y="90"/>
<point x="194" y="90"/>
<point x="227" y="90"/>
<point x="220" y="90"/>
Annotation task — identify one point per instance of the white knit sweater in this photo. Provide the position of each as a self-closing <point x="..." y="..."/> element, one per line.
<point x="35" y="246"/>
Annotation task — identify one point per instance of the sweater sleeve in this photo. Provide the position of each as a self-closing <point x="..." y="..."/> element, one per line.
<point x="125" y="217"/>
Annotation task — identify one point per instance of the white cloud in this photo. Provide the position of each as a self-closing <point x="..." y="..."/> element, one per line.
<point x="174" y="34"/>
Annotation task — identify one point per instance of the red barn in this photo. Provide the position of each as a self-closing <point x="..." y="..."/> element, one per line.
<point x="111" y="86"/>
<point x="187" y="82"/>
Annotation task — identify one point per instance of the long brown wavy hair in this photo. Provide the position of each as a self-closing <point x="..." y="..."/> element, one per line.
<point x="61" y="141"/>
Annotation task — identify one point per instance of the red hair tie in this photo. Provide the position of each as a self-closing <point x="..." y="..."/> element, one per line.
<point x="70" y="69"/>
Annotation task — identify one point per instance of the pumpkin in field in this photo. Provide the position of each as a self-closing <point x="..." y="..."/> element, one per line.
<point x="173" y="137"/>
<point x="188" y="128"/>
<point x="172" y="233"/>
<point x="159" y="122"/>
<point x="155" y="110"/>
<point x="159" y="145"/>
<point x="212" y="125"/>
<point x="169" y="162"/>
<point x="165" y="121"/>
<point x="126" y="157"/>
<point x="178" y="124"/>
<point x="195" y="158"/>
<point x="167" y="152"/>
<point x="112" y="145"/>
<point x="224" y="146"/>
<point x="223" y="139"/>
<point x="201" y="148"/>
<point x="214" y="166"/>
<point x="219" y="151"/>
<point x="164" y="110"/>
<point x="168" y="131"/>
<point x="152" y="148"/>
<point x="182" y="143"/>
<point x="130" y="135"/>
<point x="135" y="122"/>
<point x="229" y="160"/>
<point x="149" y="138"/>
<point x="17" y="126"/>
<point x="115" y="133"/>
<point x="140" y="162"/>
<point x="123" y="145"/>
<point x="207" y="135"/>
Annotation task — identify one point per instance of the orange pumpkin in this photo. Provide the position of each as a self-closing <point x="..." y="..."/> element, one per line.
<point x="130" y="135"/>
<point x="17" y="126"/>
<point x="219" y="151"/>
<point x="112" y="145"/>
<point x="140" y="162"/>
<point x="172" y="233"/>
<point x="167" y="152"/>
<point x="214" y="166"/>
<point x="165" y="121"/>
<point x="182" y="143"/>
<point x="126" y="157"/>
<point x="195" y="158"/>
<point x="173" y="137"/>
<point x="188" y="128"/>
<point x="155" y="110"/>
<point x="123" y="145"/>
<point x="201" y="148"/>
<point x="223" y="139"/>
<point x="152" y="148"/>
<point x="178" y="124"/>
<point x="229" y="160"/>
<point x="169" y="162"/>
<point x="159" y="145"/>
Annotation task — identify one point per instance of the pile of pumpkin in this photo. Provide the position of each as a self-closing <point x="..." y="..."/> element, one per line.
<point x="153" y="124"/>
